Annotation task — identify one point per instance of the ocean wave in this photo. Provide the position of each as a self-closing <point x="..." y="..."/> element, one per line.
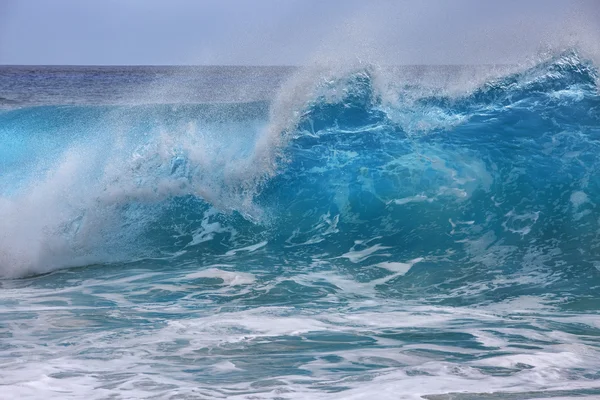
<point x="385" y="172"/>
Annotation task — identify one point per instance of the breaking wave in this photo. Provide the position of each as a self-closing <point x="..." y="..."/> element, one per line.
<point x="500" y="180"/>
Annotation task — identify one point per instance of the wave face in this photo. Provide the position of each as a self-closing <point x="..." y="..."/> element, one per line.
<point x="382" y="237"/>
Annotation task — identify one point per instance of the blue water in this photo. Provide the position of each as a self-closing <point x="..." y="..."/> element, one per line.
<point x="276" y="233"/>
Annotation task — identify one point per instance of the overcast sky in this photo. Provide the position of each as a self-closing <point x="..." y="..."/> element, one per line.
<point x="288" y="32"/>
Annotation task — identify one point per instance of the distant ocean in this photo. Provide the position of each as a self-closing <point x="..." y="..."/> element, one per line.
<point x="367" y="232"/>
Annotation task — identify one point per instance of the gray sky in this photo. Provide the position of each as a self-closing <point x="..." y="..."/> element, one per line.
<point x="288" y="32"/>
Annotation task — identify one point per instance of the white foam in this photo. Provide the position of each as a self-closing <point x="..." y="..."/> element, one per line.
<point x="357" y="256"/>
<point x="413" y="199"/>
<point x="207" y="230"/>
<point x="152" y="362"/>
<point x="248" y="249"/>
<point x="225" y="367"/>
<point x="398" y="267"/>
<point x="229" y="278"/>
<point x="520" y="223"/>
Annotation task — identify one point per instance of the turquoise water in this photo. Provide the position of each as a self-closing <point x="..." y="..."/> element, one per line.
<point x="264" y="234"/>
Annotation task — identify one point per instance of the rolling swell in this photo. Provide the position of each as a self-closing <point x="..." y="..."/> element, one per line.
<point x="495" y="189"/>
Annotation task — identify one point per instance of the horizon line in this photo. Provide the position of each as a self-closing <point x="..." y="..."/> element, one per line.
<point x="248" y="65"/>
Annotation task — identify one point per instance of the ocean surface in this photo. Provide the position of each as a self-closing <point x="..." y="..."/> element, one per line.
<point x="363" y="232"/>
